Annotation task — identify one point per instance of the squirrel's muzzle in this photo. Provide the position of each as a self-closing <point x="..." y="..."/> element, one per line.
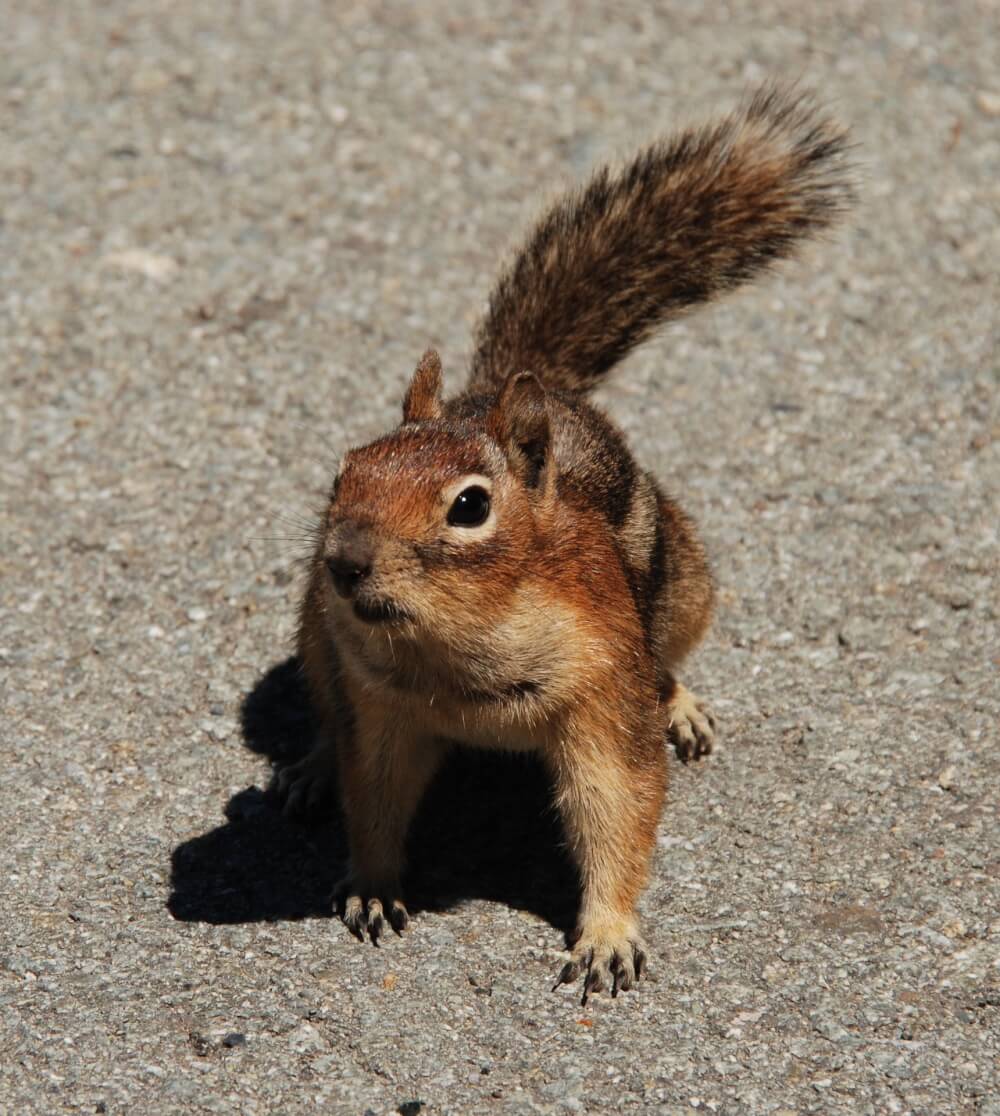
<point x="350" y="561"/>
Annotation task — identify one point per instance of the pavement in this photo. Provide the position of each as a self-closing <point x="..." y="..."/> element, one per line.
<point x="228" y="231"/>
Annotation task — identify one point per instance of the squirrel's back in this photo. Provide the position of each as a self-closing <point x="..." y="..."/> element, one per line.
<point x="683" y="221"/>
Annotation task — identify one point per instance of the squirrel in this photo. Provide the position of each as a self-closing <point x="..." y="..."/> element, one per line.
<point x="498" y="572"/>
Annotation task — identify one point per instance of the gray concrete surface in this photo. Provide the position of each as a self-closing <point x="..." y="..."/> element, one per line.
<point x="227" y="233"/>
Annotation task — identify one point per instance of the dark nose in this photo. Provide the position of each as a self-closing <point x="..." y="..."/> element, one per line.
<point x="350" y="564"/>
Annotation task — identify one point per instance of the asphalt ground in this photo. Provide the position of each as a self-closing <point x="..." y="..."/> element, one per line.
<point x="227" y="233"/>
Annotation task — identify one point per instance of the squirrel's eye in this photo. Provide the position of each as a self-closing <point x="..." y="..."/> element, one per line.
<point x="471" y="507"/>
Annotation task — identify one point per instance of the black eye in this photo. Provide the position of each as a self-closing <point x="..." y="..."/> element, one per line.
<point x="471" y="507"/>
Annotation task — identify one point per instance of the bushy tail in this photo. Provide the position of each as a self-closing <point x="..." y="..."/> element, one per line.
<point x="688" y="218"/>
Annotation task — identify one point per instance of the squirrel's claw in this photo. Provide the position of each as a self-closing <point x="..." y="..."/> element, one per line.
<point x="368" y="916"/>
<point x="570" y="971"/>
<point x="355" y="916"/>
<point x="399" y="918"/>
<point x="610" y="966"/>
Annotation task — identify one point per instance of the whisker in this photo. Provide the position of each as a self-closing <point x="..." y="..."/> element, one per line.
<point x="278" y="538"/>
<point x="308" y="429"/>
<point x="293" y="520"/>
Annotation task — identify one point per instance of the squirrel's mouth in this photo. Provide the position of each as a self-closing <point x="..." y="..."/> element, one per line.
<point x="379" y="611"/>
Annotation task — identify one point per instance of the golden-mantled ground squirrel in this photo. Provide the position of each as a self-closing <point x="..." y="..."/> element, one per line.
<point x="499" y="572"/>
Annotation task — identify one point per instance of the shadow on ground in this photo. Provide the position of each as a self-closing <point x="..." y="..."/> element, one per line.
<point x="485" y="830"/>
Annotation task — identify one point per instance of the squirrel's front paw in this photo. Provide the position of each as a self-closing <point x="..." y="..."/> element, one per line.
<point x="611" y="962"/>
<point x="691" y="727"/>
<point x="367" y="909"/>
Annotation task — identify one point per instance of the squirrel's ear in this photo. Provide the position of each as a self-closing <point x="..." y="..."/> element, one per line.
<point x="423" y="397"/>
<point x="520" y="420"/>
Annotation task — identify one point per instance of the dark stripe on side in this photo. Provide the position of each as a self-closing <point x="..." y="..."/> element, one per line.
<point x="647" y="584"/>
<point x="657" y="565"/>
<point x="621" y="482"/>
<point x="608" y="473"/>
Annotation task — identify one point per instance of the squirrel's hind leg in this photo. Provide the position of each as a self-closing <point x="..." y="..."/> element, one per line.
<point x="682" y="611"/>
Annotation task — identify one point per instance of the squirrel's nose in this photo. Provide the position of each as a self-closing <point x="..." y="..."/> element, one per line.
<point x="350" y="564"/>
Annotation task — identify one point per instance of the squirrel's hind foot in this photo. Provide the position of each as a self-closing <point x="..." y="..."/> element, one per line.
<point x="306" y="787"/>
<point x="691" y="726"/>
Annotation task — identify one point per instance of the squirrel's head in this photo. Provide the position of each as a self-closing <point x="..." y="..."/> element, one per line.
<point x="429" y="528"/>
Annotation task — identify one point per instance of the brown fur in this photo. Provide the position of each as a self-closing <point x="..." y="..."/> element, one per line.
<point x="423" y="397"/>
<point x="498" y="571"/>
<point x="682" y="222"/>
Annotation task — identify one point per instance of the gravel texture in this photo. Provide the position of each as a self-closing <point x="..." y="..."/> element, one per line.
<point x="227" y="233"/>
